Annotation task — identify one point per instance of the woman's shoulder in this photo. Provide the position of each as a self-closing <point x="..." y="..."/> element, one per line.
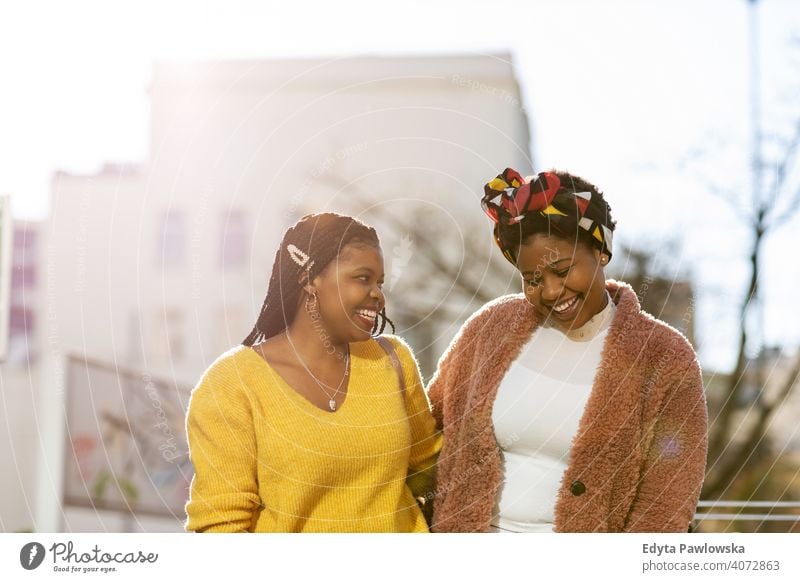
<point x="398" y="342"/>
<point x="501" y="318"/>
<point x="671" y="341"/>
<point x="499" y="309"/>
<point x="662" y="338"/>
<point x="222" y="390"/>
<point x="513" y="301"/>
<point x="229" y="368"/>
<point x="506" y="319"/>
<point x="401" y="346"/>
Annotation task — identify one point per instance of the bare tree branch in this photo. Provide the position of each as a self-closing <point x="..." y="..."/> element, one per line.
<point x="780" y="176"/>
<point x="730" y="196"/>
<point x="758" y="432"/>
<point x="433" y="255"/>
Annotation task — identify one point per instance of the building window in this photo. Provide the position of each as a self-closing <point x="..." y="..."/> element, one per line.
<point x="23" y="273"/>
<point x="23" y="277"/>
<point x="20" y="335"/>
<point x="24" y="245"/>
<point x="172" y="250"/>
<point x="234" y="240"/>
<point x="21" y="320"/>
<point x="21" y="324"/>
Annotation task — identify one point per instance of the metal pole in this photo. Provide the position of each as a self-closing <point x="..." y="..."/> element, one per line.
<point x="757" y="168"/>
<point x="755" y="103"/>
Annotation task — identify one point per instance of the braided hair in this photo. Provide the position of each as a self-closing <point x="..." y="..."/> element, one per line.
<point x="322" y="237"/>
<point x="565" y="226"/>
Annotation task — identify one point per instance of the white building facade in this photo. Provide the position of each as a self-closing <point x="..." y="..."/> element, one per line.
<point x="160" y="267"/>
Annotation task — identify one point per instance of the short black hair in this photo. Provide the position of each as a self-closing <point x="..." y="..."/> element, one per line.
<point x="512" y="236"/>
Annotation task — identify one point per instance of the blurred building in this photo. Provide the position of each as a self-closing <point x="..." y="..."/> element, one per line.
<point x="764" y="381"/>
<point x="784" y="428"/>
<point x="19" y="381"/>
<point x="768" y="460"/>
<point x="152" y="270"/>
<point x="171" y="258"/>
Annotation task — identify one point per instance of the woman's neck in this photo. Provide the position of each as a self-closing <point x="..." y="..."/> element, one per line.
<point x="312" y="342"/>
<point x="595" y="325"/>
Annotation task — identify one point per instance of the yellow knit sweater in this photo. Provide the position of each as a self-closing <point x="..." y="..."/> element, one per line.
<point x="267" y="460"/>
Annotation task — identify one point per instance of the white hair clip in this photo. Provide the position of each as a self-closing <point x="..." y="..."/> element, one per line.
<point x="299" y="257"/>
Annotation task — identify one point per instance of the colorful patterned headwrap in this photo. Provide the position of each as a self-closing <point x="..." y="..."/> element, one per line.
<point x="521" y="197"/>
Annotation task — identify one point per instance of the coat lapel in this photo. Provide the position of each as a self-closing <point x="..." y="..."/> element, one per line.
<point x="596" y="491"/>
<point x="497" y="346"/>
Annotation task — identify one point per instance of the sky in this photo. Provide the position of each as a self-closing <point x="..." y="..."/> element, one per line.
<point x="648" y="99"/>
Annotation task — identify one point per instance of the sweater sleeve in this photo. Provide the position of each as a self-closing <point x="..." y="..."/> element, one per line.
<point x="222" y="447"/>
<point x="426" y="440"/>
<point x="669" y="488"/>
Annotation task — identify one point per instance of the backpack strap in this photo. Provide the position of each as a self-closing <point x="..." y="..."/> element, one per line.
<point x="398" y="367"/>
<point x="425" y="506"/>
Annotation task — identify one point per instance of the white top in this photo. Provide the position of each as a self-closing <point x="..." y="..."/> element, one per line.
<point x="538" y="406"/>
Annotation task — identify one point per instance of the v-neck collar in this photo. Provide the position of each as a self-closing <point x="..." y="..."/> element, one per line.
<point x="274" y="373"/>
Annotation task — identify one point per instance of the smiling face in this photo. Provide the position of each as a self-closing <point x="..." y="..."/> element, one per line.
<point x="349" y="292"/>
<point x="563" y="280"/>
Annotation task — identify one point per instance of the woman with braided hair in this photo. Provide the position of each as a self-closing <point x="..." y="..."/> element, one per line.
<point x="316" y="423"/>
<point x="565" y="408"/>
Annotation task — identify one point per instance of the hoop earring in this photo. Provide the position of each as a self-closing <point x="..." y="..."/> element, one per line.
<point x="309" y="307"/>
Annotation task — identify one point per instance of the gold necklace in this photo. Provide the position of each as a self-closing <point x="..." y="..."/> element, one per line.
<point x="331" y="398"/>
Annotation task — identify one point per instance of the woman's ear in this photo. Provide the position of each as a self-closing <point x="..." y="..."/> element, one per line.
<point x="307" y="284"/>
<point x="600" y="256"/>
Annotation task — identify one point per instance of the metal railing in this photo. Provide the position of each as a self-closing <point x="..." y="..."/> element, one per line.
<point x="732" y="515"/>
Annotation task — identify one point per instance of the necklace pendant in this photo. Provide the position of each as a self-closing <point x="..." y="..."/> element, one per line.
<point x="332" y="404"/>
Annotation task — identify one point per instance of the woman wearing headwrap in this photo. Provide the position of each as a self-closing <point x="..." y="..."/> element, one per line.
<point x="565" y="408"/>
<point x="317" y="422"/>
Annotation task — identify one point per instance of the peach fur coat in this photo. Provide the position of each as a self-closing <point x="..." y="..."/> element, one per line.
<point x="638" y="460"/>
